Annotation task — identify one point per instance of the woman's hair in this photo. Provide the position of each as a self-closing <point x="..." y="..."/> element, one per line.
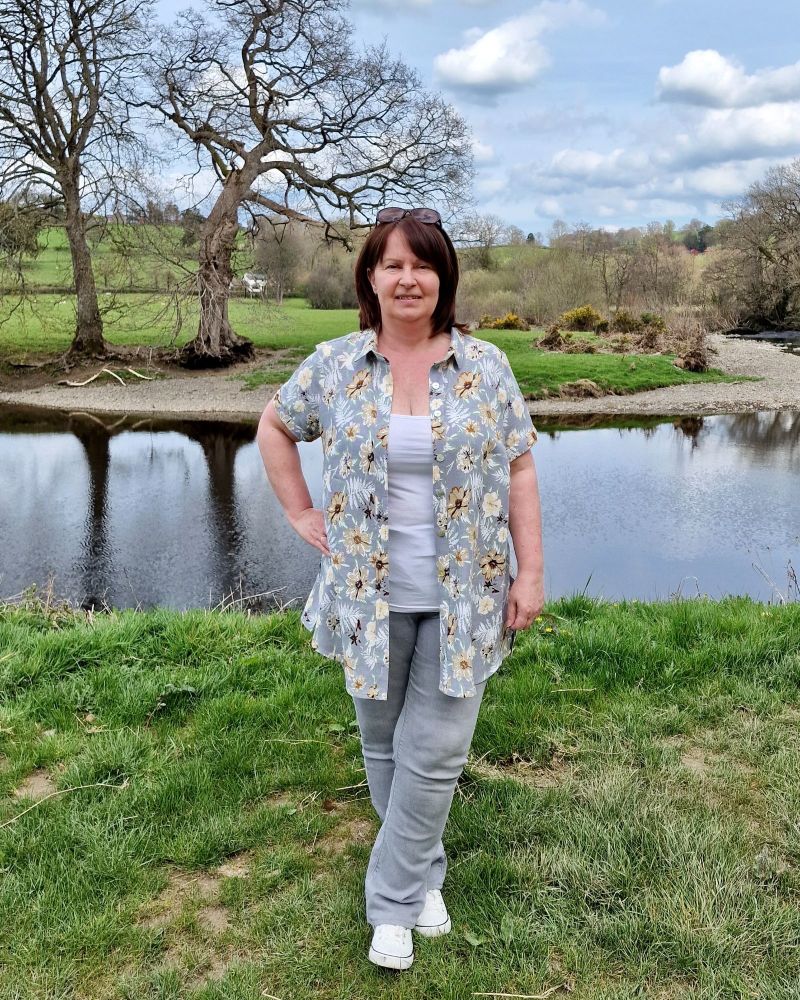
<point x="431" y="244"/>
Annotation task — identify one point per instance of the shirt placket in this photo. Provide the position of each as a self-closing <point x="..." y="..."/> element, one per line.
<point x="435" y="380"/>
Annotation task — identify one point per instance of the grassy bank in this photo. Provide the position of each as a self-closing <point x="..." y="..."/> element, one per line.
<point x="626" y="826"/>
<point x="45" y="327"/>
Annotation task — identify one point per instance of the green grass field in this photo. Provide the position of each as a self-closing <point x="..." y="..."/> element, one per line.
<point x="626" y="826"/>
<point x="44" y="327"/>
<point x="122" y="258"/>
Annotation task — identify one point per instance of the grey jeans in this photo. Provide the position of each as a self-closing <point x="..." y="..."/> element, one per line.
<point x="415" y="746"/>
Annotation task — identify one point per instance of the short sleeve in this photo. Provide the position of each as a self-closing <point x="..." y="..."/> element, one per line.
<point x="298" y="401"/>
<point x="519" y="433"/>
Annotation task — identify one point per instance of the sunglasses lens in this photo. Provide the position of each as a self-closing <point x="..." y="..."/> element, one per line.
<point x="428" y="215"/>
<point x="390" y="215"/>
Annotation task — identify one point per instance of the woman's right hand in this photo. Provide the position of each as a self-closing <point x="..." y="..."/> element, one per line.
<point x="310" y="526"/>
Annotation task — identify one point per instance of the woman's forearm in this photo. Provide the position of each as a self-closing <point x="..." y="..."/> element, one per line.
<point x="525" y="517"/>
<point x="282" y="463"/>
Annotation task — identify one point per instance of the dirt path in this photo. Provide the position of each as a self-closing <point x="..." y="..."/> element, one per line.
<point x="222" y="396"/>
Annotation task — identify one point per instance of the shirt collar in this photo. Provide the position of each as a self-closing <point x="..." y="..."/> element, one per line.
<point x="368" y="342"/>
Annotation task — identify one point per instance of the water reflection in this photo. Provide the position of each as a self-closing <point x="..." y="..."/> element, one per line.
<point x="180" y="513"/>
<point x="787" y="340"/>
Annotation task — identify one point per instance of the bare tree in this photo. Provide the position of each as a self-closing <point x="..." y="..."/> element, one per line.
<point x="20" y="227"/>
<point x="280" y="250"/>
<point x="558" y="231"/>
<point x="66" y="136"/>
<point x="481" y="231"/>
<point x="272" y="95"/>
<point x="615" y="261"/>
<point x="758" y="271"/>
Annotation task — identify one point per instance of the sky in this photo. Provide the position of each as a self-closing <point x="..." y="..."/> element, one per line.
<point x="611" y="112"/>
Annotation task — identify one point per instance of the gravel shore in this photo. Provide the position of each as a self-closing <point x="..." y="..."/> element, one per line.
<point x="219" y="396"/>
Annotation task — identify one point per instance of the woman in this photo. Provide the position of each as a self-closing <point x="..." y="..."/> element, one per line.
<point x="427" y="468"/>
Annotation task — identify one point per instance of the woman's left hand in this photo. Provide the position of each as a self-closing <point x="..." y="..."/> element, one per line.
<point x="525" y="600"/>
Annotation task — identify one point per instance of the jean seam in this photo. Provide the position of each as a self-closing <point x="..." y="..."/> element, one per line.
<point x="391" y="793"/>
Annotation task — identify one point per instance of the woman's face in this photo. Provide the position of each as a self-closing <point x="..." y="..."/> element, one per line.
<point x="407" y="287"/>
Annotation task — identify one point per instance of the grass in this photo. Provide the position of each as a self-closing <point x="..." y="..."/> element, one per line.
<point x="540" y="374"/>
<point x="626" y="825"/>
<point x="46" y="325"/>
<point x="119" y="259"/>
<point x="43" y="326"/>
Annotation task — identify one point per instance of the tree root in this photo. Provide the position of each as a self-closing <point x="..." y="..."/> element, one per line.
<point x="107" y="371"/>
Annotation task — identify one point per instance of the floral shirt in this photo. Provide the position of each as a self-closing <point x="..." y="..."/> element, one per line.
<point x="479" y="423"/>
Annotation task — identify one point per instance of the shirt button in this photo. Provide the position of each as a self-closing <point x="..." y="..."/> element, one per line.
<point x="440" y="532"/>
<point x="434" y="385"/>
<point x="440" y="457"/>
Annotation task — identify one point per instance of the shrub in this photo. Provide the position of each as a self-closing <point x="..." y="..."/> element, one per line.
<point x="486" y="293"/>
<point x="330" y="285"/>
<point x="553" y="340"/>
<point x="654" y="321"/>
<point x="602" y="327"/>
<point x="323" y="291"/>
<point x="582" y="318"/>
<point x="621" y="344"/>
<point x="580" y="347"/>
<point x="554" y="281"/>
<point x="626" y="322"/>
<point x="508" y="322"/>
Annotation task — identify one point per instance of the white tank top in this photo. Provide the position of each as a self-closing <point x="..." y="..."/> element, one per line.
<point x="413" y="584"/>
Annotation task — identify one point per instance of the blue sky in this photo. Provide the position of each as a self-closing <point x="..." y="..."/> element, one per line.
<point x="614" y="112"/>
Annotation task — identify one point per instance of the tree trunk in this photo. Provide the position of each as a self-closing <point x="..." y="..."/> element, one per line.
<point x="216" y="345"/>
<point x="88" y="340"/>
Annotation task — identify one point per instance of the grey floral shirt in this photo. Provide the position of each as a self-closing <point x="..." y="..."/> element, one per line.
<point x="479" y="423"/>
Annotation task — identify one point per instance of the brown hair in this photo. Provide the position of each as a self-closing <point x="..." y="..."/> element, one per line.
<point x="429" y="243"/>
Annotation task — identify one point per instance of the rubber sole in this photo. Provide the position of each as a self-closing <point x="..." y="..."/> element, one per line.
<point x="434" y="930"/>
<point x="390" y="961"/>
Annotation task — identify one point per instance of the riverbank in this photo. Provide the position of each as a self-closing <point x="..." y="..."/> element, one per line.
<point x="222" y="395"/>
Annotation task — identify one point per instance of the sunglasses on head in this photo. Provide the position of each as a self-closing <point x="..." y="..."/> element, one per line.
<point x="427" y="215"/>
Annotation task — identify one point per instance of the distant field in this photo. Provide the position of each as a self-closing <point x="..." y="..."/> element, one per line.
<point x="47" y="323"/>
<point x="125" y="258"/>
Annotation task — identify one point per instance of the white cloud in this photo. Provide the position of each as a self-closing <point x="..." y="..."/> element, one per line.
<point x="550" y="206"/>
<point x="383" y="7"/>
<point x="618" y="167"/>
<point x="740" y="134"/>
<point x="509" y="56"/>
<point x="717" y="152"/>
<point x="490" y="186"/>
<point x="712" y="80"/>
<point x="482" y="151"/>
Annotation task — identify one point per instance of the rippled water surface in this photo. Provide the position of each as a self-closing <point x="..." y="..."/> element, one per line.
<point x="181" y="514"/>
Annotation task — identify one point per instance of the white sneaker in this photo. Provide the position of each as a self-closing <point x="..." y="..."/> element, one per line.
<point x="391" y="946"/>
<point x="434" y="919"/>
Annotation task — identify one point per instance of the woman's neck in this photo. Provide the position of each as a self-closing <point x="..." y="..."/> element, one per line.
<point x="409" y="338"/>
